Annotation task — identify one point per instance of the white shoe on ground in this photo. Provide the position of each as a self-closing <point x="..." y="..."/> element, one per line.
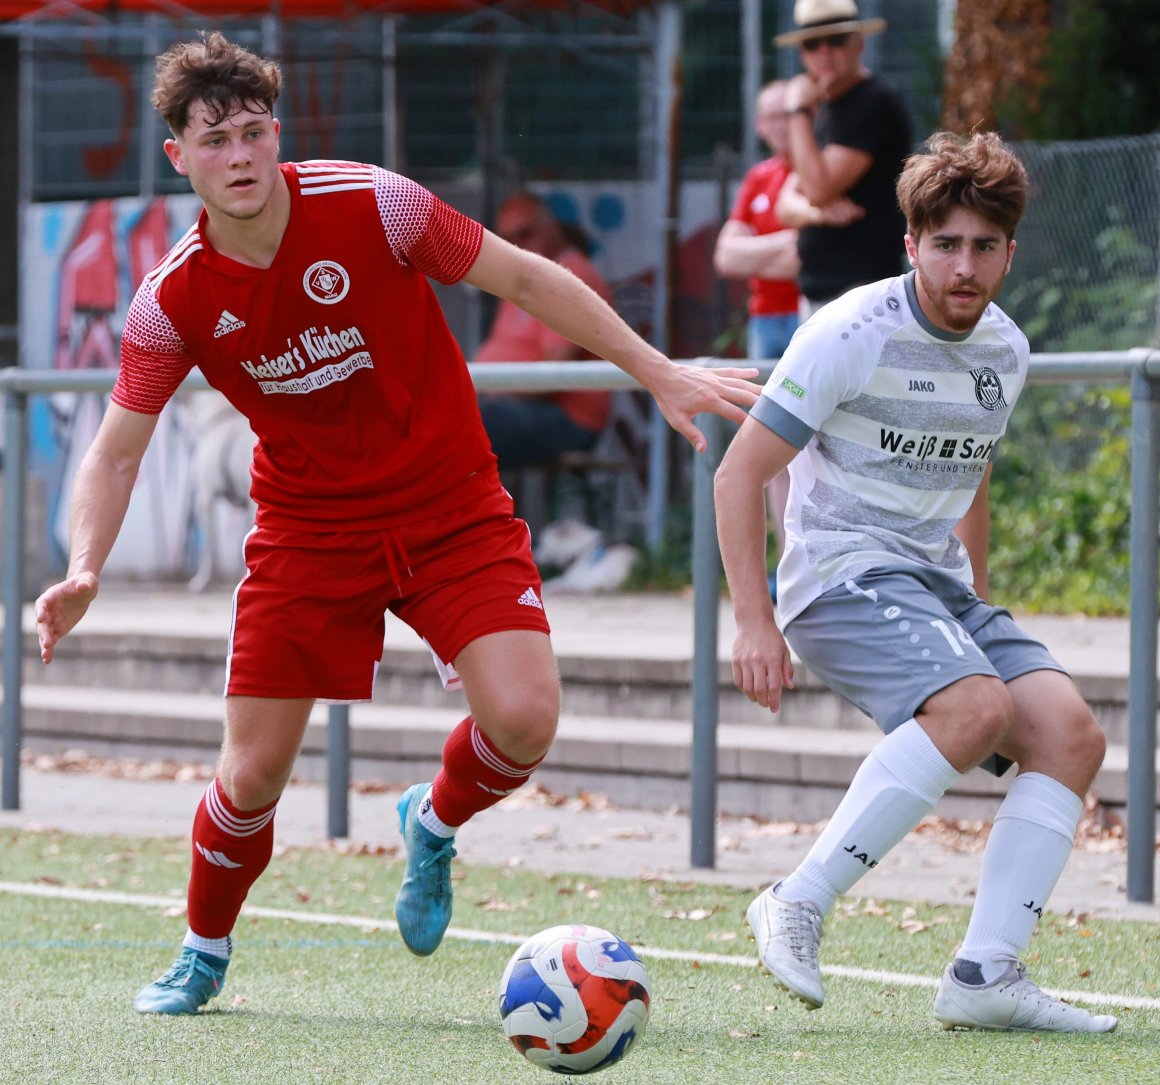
<point x="787" y="934"/>
<point x="1011" y="1003"/>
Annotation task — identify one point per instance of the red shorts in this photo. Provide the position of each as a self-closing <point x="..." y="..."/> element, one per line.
<point x="308" y="617"/>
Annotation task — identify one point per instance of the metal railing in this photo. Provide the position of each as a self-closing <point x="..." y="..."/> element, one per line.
<point x="1140" y="368"/>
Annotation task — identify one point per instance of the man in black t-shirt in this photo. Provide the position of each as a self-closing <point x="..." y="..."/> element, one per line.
<point x="849" y="133"/>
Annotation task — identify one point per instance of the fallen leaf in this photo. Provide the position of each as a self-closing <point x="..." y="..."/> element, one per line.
<point x="913" y="926"/>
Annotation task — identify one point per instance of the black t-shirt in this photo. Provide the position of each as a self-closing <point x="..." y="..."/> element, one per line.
<point x="870" y="117"/>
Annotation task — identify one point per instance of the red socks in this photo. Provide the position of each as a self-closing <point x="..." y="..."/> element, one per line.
<point x="231" y="848"/>
<point x="474" y="776"/>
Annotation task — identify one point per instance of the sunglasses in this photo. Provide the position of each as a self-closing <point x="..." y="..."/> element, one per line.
<point x="834" y="41"/>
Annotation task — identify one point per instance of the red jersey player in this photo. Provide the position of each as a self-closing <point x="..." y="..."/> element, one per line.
<point x="302" y="294"/>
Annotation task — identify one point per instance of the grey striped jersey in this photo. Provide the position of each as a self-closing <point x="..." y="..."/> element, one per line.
<point x="897" y="421"/>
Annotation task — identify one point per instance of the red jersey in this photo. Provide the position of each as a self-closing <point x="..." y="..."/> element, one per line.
<point x="338" y="353"/>
<point x="756" y="206"/>
<point x="517" y="336"/>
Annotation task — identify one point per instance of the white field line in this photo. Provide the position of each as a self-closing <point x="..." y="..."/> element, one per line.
<point x="366" y="923"/>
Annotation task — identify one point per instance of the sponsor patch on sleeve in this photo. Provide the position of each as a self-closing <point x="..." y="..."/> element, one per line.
<point x="794" y="389"/>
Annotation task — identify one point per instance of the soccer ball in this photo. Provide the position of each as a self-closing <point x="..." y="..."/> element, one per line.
<point x="574" y="999"/>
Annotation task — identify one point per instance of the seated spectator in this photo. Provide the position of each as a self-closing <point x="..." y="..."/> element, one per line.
<point x="530" y="429"/>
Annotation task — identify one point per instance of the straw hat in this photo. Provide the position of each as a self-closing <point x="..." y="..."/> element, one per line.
<point x="817" y="18"/>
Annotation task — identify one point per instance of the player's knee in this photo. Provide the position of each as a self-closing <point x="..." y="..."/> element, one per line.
<point x="996" y="716"/>
<point x="251" y="784"/>
<point x="1087" y="742"/>
<point x="987" y="714"/>
<point x="522" y="722"/>
<point x="1068" y="745"/>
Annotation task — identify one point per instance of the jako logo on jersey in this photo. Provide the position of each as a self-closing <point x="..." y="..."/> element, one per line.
<point x="988" y="388"/>
<point x="326" y="282"/>
<point x="530" y="599"/>
<point x="227" y="323"/>
<point x="921" y="386"/>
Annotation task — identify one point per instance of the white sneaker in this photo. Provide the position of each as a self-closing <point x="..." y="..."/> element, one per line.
<point x="1011" y="1003"/>
<point x="787" y="934"/>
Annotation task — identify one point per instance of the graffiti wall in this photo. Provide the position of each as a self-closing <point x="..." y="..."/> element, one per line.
<point x="81" y="263"/>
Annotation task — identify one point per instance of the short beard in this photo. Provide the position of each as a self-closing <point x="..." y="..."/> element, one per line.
<point x="953" y="323"/>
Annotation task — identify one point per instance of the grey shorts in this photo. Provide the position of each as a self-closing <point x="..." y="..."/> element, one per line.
<point x="896" y="635"/>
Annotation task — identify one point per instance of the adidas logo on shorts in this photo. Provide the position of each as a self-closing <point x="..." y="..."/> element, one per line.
<point x="530" y="599"/>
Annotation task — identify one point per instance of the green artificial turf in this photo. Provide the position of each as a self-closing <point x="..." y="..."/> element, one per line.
<point x="325" y="1001"/>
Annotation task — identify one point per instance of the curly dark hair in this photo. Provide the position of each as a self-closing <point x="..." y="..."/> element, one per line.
<point x="979" y="172"/>
<point x="217" y="72"/>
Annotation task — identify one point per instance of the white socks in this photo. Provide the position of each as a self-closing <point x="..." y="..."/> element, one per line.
<point x="215" y="947"/>
<point x="897" y="785"/>
<point x="1026" y="852"/>
<point x="431" y="820"/>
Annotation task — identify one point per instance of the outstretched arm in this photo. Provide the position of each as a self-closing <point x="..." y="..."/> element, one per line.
<point x="100" y="498"/>
<point x="554" y="296"/>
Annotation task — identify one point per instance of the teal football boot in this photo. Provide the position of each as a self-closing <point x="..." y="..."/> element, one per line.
<point x="189" y="984"/>
<point x="423" y="904"/>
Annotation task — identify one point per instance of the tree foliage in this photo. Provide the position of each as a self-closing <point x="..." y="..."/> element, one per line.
<point x="1054" y="69"/>
<point x="998" y="54"/>
<point x="1060" y="500"/>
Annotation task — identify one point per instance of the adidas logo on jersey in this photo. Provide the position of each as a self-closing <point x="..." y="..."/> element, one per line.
<point x="227" y="323"/>
<point x="530" y="599"/>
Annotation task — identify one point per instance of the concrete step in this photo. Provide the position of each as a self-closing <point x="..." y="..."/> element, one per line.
<point x="765" y="771"/>
<point x="636" y="685"/>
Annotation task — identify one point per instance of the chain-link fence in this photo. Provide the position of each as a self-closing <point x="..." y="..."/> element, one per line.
<point x="534" y="90"/>
<point x="1085" y="272"/>
<point x="1087" y="263"/>
<point x="541" y="91"/>
<point x="1084" y="278"/>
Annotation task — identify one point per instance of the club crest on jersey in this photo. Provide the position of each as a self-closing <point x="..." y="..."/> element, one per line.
<point x="326" y="282"/>
<point x="988" y="388"/>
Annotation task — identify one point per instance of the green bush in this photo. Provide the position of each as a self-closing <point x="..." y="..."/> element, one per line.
<point x="1060" y="494"/>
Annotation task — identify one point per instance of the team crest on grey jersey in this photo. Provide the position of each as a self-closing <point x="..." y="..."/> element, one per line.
<point x="988" y="388"/>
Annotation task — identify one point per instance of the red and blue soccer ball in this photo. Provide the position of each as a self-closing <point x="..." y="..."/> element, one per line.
<point x="574" y="999"/>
